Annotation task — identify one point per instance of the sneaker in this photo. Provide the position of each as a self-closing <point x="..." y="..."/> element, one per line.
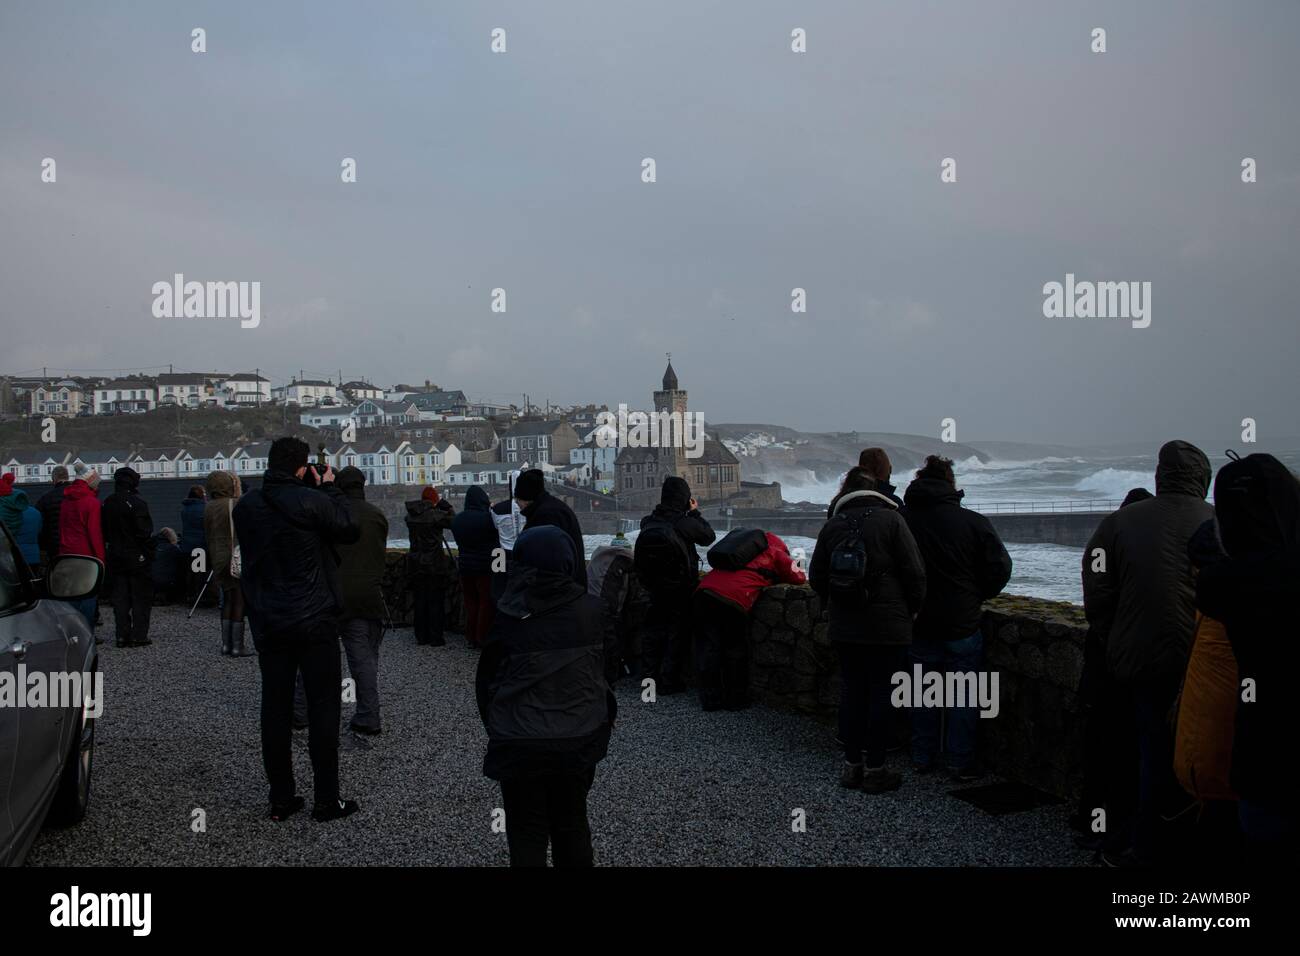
<point x="364" y="731"/>
<point x="881" y="781"/>
<point x="851" y="775"/>
<point x="965" y="774"/>
<point x="323" y="813"/>
<point x="282" y="811"/>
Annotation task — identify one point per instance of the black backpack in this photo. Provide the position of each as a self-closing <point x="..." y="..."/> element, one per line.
<point x="659" y="558"/>
<point x="848" y="563"/>
<point x="737" y="548"/>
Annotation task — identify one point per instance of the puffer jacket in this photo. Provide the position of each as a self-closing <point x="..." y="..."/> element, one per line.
<point x="742" y="588"/>
<point x="361" y="574"/>
<point x="287" y="536"/>
<point x="428" y="561"/>
<point x="223" y="493"/>
<point x="475" y="533"/>
<point x="895" y="572"/>
<point x="192" y="525"/>
<point x="1145" y="597"/>
<point x="79" y="521"/>
<point x="29" y="536"/>
<point x="965" y="561"/>
<point x="12" y="507"/>
<point x="541" y="685"/>
<point x="127" y="525"/>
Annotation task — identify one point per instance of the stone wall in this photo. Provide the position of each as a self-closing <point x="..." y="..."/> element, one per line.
<point x="1035" y="646"/>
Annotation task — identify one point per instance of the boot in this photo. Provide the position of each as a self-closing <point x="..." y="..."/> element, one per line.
<point x="237" y="634"/>
<point x="227" y="647"/>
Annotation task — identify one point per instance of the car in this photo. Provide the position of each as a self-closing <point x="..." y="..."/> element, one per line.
<point x="46" y="751"/>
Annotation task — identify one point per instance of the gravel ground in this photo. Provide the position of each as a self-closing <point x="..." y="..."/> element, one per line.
<point x="679" y="787"/>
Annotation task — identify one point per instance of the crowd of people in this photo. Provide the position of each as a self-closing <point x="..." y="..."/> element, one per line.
<point x="1184" y="601"/>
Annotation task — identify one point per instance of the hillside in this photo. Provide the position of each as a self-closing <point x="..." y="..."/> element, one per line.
<point x="161" y="428"/>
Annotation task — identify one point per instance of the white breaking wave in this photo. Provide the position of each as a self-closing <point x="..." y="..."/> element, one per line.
<point x="1115" y="482"/>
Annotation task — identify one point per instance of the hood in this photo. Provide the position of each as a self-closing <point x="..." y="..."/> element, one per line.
<point x="928" y="492"/>
<point x="78" y="489"/>
<point x="194" y="504"/>
<point x="1182" y="469"/>
<point x="220" y="484"/>
<point x="863" y="499"/>
<point x="476" y="499"/>
<point x="351" y="481"/>
<point x="16" y="500"/>
<point x="1257" y="505"/>
<point x="546" y="548"/>
<point x="126" y="479"/>
<point x="531" y="591"/>
<point x="676" y="494"/>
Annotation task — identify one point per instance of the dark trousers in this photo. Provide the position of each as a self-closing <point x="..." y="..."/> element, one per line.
<point x="667" y="638"/>
<point x="1103" y="726"/>
<point x="866" y="672"/>
<point x="479" y="609"/>
<point x="313" y="651"/>
<point x="428" y="612"/>
<point x="721" y="651"/>
<point x="132" y="602"/>
<point x="1143" y="787"/>
<point x="361" y="639"/>
<point x="550" y="808"/>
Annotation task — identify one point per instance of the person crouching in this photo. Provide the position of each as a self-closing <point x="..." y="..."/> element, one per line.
<point x="544" y="699"/>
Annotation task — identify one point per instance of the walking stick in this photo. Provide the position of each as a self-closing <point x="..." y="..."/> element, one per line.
<point x="201" y="592"/>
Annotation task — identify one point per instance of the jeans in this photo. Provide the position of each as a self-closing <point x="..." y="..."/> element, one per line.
<point x="479" y="609"/>
<point x="721" y="652"/>
<point x="132" y="604"/>
<point x="313" y="651"/>
<point x="667" y="639"/>
<point x="361" y="640"/>
<point x="961" y="656"/>
<point x="550" y="808"/>
<point x="866" y="672"/>
<point x="428" y="613"/>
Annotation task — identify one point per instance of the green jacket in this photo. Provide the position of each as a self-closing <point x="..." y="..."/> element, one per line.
<point x="361" y="572"/>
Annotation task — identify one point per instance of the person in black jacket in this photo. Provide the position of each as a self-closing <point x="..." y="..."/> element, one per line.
<point x="287" y="530"/>
<point x="1138" y="587"/>
<point x="477" y="542"/>
<point x="545" y="702"/>
<point x="165" y="567"/>
<point x="1253" y="590"/>
<point x="361" y="578"/>
<point x="429" y="564"/>
<point x="875" y="463"/>
<point x="870" y="620"/>
<point x="965" y="565"/>
<point x="670" y="573"/>
<point x="540" y="508"/>
<point x="128" y="553"/>
<point x="49" y="505"/>
<point x="193" y="538"/>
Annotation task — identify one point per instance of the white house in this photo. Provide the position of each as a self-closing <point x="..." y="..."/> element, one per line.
<point x="425" y="462"/>
<point x="157" y="462"/>
<point x="377" y="459"/>
<point x="123" y="395"/>
<point x="477" y="473"/>
<point x="63" y="398"/>
<point x="199" y="461"/>
<point x="576" y="474"/>
<point x="357" y="391"/>
<point x="307" y="391"/>
<point x="34" y="466"/>
<point x="104" y="461"/>
<point x="245" y="388"/>
<point x="328" y="416"/>
<point x="189" y="389"/>
<point x="250" y="459"/>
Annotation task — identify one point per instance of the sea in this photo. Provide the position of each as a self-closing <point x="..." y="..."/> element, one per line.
<point x="1049" y="571"/>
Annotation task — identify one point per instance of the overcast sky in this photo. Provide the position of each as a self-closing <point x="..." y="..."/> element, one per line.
<point x="775" y="170"/>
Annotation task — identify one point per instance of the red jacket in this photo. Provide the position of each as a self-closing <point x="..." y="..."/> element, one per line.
<point x="79" y="529"/>
<point x="742" y="588"/>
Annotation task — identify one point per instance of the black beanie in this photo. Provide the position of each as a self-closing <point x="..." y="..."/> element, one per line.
<point x="350" y="478"/>
<point x="530" y="485"/>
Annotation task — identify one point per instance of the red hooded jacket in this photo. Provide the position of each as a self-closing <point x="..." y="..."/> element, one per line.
<point x="742" y="588"/>
<point x="79" y="528"/>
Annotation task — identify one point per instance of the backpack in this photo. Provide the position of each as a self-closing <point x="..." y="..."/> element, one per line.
<point x="848" y="563"/>
<point x="737" y="548"/>
<point x="659" y="558"/>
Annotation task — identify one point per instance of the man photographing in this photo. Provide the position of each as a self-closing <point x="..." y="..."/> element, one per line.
<point x="287" y="530"/>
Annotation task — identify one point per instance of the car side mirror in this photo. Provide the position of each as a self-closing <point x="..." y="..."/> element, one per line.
<point x="73" y="577"/>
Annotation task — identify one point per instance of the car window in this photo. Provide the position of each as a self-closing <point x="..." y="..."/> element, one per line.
<point x="15" y="591"/>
